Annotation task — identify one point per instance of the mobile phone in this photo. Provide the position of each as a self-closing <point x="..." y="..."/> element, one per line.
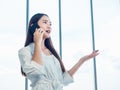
<point x="33" y="28"/>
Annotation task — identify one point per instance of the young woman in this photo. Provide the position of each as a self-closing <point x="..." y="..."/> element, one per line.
<point x="40" y="62"/>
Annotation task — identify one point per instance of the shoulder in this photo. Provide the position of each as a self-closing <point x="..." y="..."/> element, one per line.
<point x="26" y="49"/>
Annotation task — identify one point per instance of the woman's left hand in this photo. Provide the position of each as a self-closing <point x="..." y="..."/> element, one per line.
<point x="81" y="61"/>
<point x="92" y="55"/>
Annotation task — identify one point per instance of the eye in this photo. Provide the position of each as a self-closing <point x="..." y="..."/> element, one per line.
<point x="45" y="22"/>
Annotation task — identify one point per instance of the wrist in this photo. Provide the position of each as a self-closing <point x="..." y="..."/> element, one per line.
<point x="38" y="45"/>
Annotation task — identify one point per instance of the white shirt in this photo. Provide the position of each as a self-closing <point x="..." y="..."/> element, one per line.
<point x="48" y="76"/>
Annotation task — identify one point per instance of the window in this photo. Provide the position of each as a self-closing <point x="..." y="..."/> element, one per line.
<point x="76" y="40"/>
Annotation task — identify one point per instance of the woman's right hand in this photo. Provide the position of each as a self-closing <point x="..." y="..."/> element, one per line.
<point x="38" y="36"/>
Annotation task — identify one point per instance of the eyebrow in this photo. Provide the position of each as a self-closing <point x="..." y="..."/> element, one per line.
<point x="46" y="20"/>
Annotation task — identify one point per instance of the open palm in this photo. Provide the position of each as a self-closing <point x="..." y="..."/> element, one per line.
<point x="89" y="56"/>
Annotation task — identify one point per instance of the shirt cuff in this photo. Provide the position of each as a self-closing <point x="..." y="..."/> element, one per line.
<point x="67" y="78"/>
<point x="36" y="65"/>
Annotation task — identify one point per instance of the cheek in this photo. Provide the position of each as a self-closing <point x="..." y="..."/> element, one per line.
<point x="46" y="35"/>
<point x="43" y="27"/>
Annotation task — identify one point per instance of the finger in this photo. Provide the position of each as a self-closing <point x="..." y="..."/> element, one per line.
<point x="96" y="50"/>
<point x="43" y="31"/>
<point x="36" y="30"/>
<point x="40" y="30"/>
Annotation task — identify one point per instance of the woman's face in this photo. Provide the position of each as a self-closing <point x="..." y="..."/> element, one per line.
<point x="45" y="24"/>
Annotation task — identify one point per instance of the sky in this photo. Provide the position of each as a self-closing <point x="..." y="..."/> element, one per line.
<point x="76" y="40"/>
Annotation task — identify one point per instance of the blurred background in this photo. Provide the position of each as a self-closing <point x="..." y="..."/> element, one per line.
<point x="76" y="40"/>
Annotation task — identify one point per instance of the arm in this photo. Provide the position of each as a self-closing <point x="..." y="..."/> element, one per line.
<point x="81" y="61"/>
<point x="37" y="54"/>
<point x="32" y="64"/>
<point x="29" y="66"/>
<point x="38" y="35"/>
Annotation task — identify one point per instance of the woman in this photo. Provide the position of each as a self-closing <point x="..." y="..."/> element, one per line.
<point x="40" y="62"/>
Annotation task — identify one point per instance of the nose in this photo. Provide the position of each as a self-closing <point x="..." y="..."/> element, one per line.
<point x="49" y="26"/>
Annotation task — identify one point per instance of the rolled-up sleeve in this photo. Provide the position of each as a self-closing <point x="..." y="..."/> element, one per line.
<point x="67" y="79"/>
<point x="29" y="66"/>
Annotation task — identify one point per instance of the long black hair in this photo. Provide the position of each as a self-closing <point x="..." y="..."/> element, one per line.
<point x="48" y="41"/>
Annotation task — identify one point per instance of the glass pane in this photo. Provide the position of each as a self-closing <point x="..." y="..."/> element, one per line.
<point x="12" y="34"/>
<point x="76" y="36"/>
<point x="107" y="34"/>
